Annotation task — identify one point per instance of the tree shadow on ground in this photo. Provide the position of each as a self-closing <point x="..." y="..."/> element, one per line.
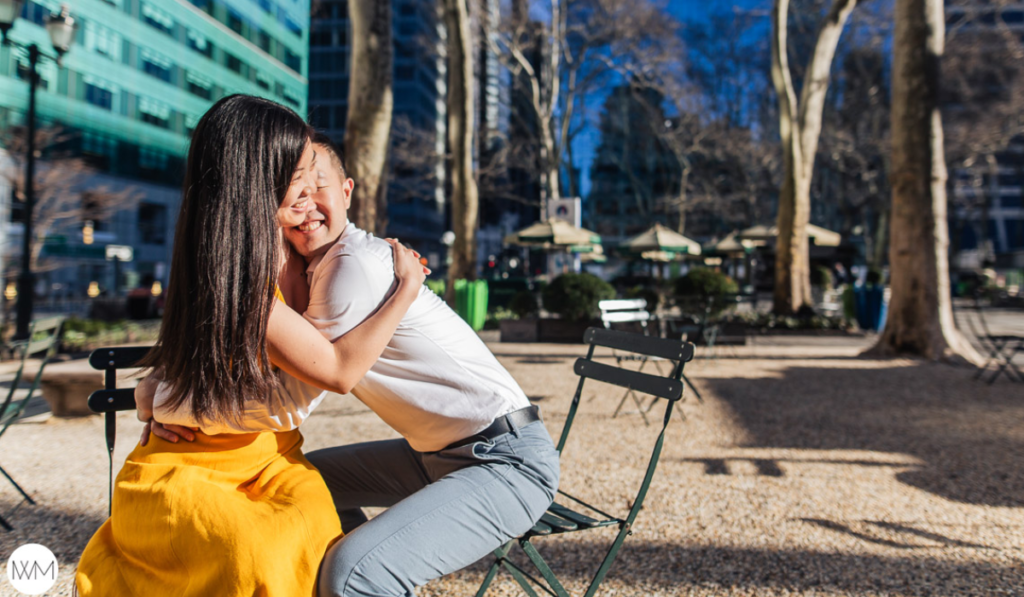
<point x="683" y="568"/>
<point x="64" y="532"/>
<point x="969" y="436"/>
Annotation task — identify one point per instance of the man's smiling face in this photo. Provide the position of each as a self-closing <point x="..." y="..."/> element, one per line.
<point x="324" y="224"/>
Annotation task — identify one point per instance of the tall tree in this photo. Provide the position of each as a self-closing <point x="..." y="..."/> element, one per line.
<point x="370" y="102"/>
<point x="799" y="128"/>
<point x="465" y="203"/>
<point x="920" y="319"/>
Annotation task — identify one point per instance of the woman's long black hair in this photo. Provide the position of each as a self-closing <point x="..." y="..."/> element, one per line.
<point x="212" y="347"/>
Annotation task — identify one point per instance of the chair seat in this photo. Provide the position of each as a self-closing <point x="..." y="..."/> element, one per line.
<point x="1007" y="338"/>
<point x="562" y="519"/>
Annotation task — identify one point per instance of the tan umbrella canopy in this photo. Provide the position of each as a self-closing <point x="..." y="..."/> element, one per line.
<point x="821" y="236"/>
<point x="731" y="244"/>
<point x="660" y="243"/>
<point x="555" y="234"/>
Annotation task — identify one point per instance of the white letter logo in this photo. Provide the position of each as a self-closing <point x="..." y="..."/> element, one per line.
<point x="32" y="569"/>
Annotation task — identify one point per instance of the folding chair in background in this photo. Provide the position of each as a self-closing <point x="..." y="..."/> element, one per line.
<point x="634" y="311"/>
<point x="111" y="399"/>
<point x="1001" y="348"/>
<point x="580" y="516"/>
<point x="42" y="340"/>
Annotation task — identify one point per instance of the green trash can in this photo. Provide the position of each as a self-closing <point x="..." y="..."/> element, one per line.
<point x="471" y="302"/>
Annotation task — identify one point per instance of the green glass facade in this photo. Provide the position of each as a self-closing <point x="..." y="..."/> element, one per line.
<point x="137" y="79"/>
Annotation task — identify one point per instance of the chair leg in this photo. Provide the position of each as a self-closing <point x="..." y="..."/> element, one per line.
<point x="636" y="400"/>
<point x="522" y="579"/>
<point x="18" y="487"/>
<point x="542" y="566"/>
<point x="692" y="387"/>
<point x="499" y="555"/>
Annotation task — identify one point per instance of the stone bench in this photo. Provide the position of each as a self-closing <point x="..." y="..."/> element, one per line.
<point x="66" y="386"/>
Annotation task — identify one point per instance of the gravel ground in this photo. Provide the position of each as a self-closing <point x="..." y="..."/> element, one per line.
<point x="806" y="471"/>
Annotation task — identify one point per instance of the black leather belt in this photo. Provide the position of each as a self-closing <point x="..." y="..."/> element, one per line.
<point x="502" y="425"/>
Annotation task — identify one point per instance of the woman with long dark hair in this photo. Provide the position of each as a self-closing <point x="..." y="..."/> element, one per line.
<point x="239" y="513"/>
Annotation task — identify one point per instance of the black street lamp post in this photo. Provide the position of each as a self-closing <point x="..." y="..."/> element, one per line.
<point x="61" y="28"/>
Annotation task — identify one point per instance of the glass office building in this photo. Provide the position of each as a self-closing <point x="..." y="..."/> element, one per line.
<point x="132" y="88"/>
<point x="416" y="197"/>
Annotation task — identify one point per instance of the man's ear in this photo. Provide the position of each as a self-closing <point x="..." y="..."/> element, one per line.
<point x="346" y="189"/>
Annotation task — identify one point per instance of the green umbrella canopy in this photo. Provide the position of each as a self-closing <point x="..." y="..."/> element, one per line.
<point x="660" y="240"/>
<point x="553" y="233"/>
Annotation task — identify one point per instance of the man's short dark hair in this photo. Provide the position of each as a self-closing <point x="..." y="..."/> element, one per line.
<point x="336" y="153"/>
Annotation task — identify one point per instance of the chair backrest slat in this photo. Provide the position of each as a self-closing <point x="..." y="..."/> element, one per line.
<point x="40" y="345"/>
<point x="648" y="345"/>
<point x="625" y="316"/>
<point x="672" y="389"/>
<point x="120" y="357"/>
<point x="622" y="304"/>
<point x="105" y="401"/>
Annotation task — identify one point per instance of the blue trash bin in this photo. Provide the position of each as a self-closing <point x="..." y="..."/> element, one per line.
<point x="871" y="308"/>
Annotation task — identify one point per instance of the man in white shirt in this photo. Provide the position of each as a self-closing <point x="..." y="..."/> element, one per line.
<point x="475" y="467"/>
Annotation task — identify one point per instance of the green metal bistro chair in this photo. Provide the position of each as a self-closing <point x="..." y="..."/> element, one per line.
<point x="111" y="399"/>
<point x="42" y="340"/>
<point x="571" y="515"/>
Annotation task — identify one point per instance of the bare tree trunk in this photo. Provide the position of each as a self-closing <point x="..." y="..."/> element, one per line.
<point x="799" y="128"/>
<point x="920" y="319"/>
<point x="465" y="202"/>
<point x="881" y="233"/>
<point x="370" y="100"/>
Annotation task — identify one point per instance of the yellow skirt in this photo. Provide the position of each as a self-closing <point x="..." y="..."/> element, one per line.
<point x="226" y="515"/>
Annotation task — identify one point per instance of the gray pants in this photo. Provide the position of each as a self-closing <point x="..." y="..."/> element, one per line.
<point x="446" y="509"/>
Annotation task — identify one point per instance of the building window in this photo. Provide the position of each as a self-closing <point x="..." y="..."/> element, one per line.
<point x="155" y="65"/>
<point x="290" y="99"/>
<point x="99" y="96"/>
<point x="199" y="86"/>
<point x="190" y="124"/>
<point x="234" y="21"/>
<point x="292" y="60"/>
<point x="262" y="81"/>
<point x="321" y="38"/>
<point x="403" y="73"/>
<point x="158" y="19"/>
<point x="233" y="62"/>
<point x="263" y="40"/>
<point x="291" y="25"/>
<point x="103" y="41"/>
<point x="154" y="113"/>
<point x="203" y="5"/>
<point x="152" y="221"/>
<point x="200" y="44"/>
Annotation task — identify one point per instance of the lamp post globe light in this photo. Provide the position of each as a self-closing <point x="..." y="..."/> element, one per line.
<point x="61" y="28"/>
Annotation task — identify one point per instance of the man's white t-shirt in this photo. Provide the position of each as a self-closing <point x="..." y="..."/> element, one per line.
<point x="436" y="382"/>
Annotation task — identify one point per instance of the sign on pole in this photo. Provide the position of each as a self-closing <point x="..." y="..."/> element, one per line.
<point x="120" y="252"/>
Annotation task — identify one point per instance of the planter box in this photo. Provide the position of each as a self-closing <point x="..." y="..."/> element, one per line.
<point x="545" y="330"/>
<point x="518" y="330"/>
<point x="563" y="332"/>
<point x="66" y="387"/>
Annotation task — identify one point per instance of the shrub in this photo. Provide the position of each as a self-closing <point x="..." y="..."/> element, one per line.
<point x="523" y="304"/>
<point x="575" y="296"/>
<point x="649" y="294"/>
<point x="436" y="286"/>
<point x="821" y="277"/>
<point x="706" y="289"/>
